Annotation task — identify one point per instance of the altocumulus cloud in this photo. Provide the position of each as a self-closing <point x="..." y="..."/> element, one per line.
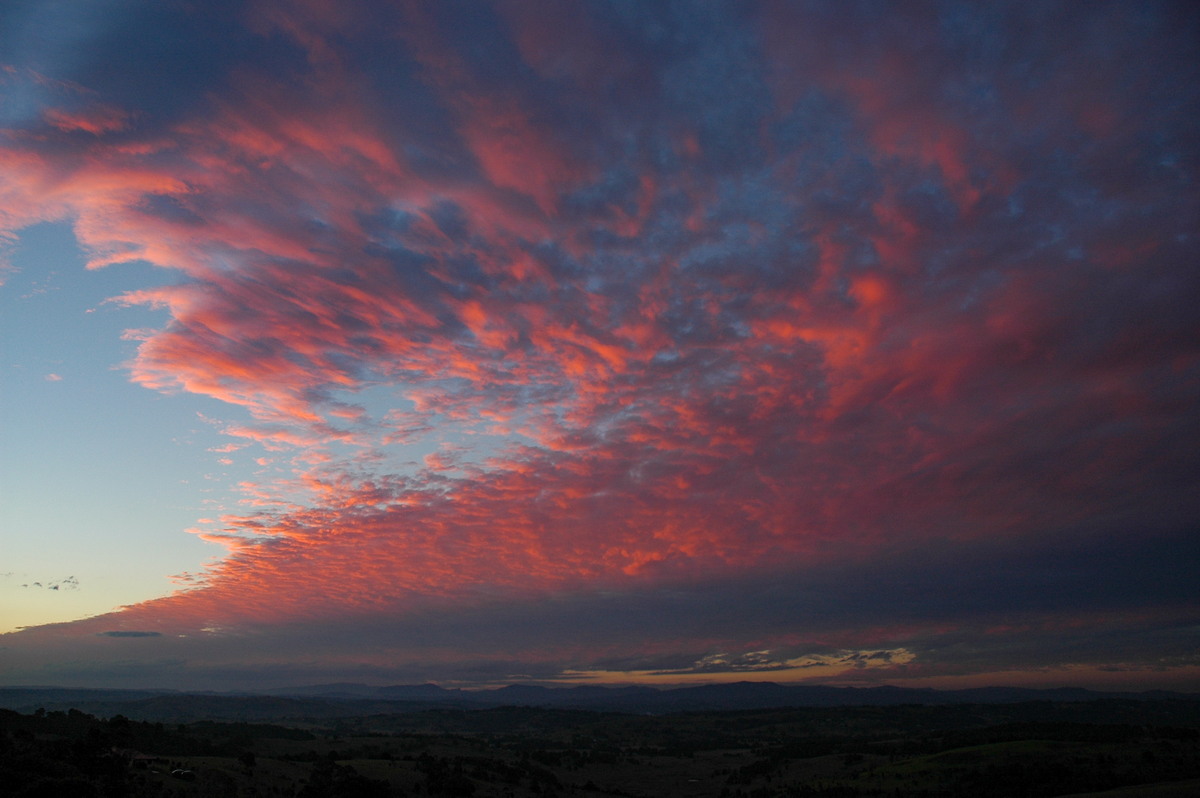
<point x="846" y="337"/>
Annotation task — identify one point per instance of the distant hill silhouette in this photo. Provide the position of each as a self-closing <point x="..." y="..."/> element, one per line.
<point x="350" y="699"/>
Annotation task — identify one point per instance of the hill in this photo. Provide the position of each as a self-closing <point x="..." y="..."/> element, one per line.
<point x="349" y="700"/>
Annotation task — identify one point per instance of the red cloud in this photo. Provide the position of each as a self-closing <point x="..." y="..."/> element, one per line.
<point x="668" y="368"/>
<point x="96" y="120"/>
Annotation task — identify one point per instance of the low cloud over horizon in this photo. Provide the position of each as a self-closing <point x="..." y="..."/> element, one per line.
<point x="657" y="343"/>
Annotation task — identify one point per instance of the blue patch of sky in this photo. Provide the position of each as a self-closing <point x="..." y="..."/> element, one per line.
<point x="99" y="477"/>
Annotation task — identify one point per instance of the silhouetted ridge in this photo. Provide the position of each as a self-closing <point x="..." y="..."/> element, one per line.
<point x="348" y="699"/>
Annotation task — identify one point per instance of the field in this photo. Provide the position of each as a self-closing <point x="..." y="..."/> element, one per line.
<point x="1111" y="748"/>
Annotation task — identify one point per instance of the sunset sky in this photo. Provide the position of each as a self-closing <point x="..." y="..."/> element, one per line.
<point x="599" y="342"/>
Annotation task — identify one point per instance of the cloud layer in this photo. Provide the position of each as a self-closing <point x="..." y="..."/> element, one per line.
<point x="649" y="338"/>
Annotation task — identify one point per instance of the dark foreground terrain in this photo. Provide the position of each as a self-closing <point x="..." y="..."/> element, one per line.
<point x="1040" y="748"/>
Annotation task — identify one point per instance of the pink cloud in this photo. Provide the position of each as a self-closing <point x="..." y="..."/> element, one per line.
<point x="97" y="119"/>
<point x="861" y="336"/>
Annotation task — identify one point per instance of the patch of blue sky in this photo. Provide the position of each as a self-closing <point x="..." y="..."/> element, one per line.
<point x="98" y="475"/>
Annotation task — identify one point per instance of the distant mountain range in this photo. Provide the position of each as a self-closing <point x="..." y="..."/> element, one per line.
<point x="736" y="695"/>
<point x="349" y="699"/>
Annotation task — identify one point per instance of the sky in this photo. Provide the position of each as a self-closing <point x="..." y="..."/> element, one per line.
<point x="604" y="342"/>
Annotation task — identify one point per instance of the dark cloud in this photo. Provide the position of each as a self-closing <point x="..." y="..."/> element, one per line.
<point x="129" y="634"/>
<point x="70" y="583"/>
